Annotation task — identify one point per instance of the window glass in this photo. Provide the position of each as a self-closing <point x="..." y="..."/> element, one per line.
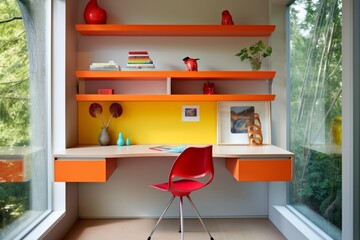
<point x="315" y="111"/>
<point x="24" y="181"/>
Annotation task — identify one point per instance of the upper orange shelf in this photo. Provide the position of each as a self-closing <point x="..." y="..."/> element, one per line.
<point x="176" y="75"/>
<point x="174" y="97"/>
<point x="175" y="30"/>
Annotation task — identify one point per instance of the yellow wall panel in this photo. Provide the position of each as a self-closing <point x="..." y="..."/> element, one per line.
<point x="150" y="123"/>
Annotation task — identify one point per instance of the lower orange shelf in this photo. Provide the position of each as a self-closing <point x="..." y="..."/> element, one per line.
<point x="253" y="170"/>
<point x="84" y="170"/>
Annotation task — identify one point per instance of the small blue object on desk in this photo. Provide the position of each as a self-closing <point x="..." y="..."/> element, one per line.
<point x="120" y="141"/>
<point x="176" y="149"/>
<point x="169" y="148"/>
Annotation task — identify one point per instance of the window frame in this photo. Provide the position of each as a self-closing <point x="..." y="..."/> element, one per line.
<point x="281" y="214"/>
<point x="28" y="231"/>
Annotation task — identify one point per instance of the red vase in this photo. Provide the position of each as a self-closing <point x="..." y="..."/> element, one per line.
<point x="93" y="14"/>
<point x="226" y="18"/>
<point x="209" y="88"/>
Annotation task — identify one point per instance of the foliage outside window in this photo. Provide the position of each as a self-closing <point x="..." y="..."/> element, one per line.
<point x="23" y="111"/>
<point x="316" y="104"/>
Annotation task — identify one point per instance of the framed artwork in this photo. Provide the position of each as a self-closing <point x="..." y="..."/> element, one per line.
<point x="190" y="113"/>
<point x="233" y="119"/>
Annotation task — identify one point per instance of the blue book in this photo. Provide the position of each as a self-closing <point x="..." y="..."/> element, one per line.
<point x="170" y="148"/>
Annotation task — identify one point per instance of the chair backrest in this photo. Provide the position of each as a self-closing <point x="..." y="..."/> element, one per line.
<point x="193" y="163"/>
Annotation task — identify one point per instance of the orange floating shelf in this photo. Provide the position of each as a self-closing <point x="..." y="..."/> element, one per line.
<point x="175" y="97"/>
<point x="176" y="75"/>
<point x="175" y="30"/>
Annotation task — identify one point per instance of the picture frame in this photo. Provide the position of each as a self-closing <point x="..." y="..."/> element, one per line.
<point x="190" y="113"/>
<point x="232" y="121"/>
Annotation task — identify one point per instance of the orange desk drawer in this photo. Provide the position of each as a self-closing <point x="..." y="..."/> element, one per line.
<point x="84" y="170"/>
<point x="251" y="170"/>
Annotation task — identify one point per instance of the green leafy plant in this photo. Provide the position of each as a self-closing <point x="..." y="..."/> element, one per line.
<point x="255" y="54"/>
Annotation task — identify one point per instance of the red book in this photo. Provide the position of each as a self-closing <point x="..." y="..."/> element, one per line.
<point x="138" y="53"/>
<point x="105" y="91"/>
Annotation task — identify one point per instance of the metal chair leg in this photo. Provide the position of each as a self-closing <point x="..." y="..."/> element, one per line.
<point x="198" y="215"/>
<point x="181" y="219"/>
<point x="162" y="215"/>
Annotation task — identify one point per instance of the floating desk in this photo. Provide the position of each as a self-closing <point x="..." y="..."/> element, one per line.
<point x="244" y="162"/>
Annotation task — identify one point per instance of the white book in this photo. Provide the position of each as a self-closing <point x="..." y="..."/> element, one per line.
<point x="110" y="66"/>
<point x="110" y="63"/>
<point x="140" y="65"/>
<point x="137" y="69"/>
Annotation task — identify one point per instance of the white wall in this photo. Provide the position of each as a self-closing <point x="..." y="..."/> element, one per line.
<point x="168" y="52"/>
<point x="127" y="193"/>
<point x="64" y="196"/>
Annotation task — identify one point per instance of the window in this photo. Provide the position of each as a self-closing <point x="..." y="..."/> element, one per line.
<point x="24" y="116"/>
<point x="315" y="112"/>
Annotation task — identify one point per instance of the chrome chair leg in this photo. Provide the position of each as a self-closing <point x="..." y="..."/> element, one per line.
<point x="198" y="215"/>
<point x="162" y="215"/>
<point x="181" y="219"/>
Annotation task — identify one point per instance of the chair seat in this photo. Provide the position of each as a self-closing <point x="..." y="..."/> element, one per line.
<point x="183" y="187"/>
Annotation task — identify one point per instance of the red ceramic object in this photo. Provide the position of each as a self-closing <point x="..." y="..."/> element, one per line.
<point x="226" y="18"/>
<point x="209" y="88"/>
<point x="191" y="63"/>
<point x="93" y="14"/>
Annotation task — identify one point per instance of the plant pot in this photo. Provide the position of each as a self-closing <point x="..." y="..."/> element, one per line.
<point x="255" y="65"/>
<point x="93" y="14"/>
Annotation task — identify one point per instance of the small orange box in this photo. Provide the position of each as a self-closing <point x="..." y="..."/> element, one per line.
<point x="245" y="170"/>
<point x="84" y="170"/>
<point x="105" y="91"/>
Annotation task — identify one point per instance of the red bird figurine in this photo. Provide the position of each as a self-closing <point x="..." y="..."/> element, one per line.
<point x="191" y="63"/>
<point x="226" y="18"/>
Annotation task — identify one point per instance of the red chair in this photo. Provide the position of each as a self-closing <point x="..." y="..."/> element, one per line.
<point x="192" y="170"/>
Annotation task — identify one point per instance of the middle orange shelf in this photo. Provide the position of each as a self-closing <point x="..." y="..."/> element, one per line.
<point x="176" y="75"/>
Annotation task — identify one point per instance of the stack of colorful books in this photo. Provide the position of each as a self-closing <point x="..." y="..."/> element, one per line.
<point x="139" y="60"/>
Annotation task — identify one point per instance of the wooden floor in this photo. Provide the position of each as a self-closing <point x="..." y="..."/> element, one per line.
<point x="139" y="229"/>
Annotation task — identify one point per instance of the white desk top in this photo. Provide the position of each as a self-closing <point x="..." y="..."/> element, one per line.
<point x="220" y="151"/>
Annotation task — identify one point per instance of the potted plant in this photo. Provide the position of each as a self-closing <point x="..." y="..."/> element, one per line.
<point x="255" y="54"/>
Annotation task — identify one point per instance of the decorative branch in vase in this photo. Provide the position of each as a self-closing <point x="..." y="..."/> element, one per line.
<point x="256" y="53"/>
<point x="95" y="111"/>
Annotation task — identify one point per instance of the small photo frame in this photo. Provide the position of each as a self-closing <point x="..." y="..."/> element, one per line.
<point x="190" y="113"/>
<point x="233" y="119"/>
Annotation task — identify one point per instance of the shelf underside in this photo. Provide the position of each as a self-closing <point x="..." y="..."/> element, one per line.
<point x="174" y="97"/>
<point x="174" y="30"/>
<point x="177" y="75"/>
